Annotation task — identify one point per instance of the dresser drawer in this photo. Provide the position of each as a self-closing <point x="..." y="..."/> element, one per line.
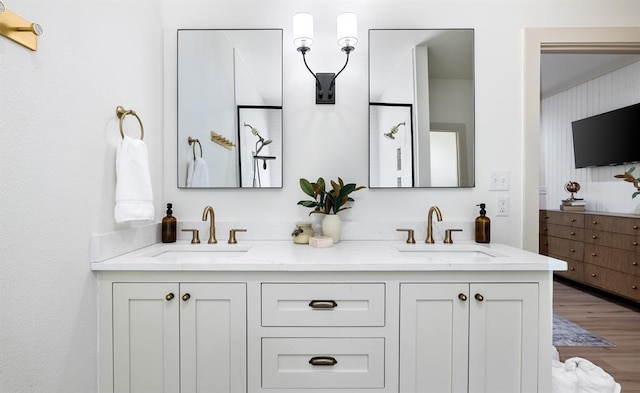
<point x="565" y="248"/>
<point x="562" y="218"/>
<point x="342" y="363"/>
<point x="626" y="285"/>
<point x="323" y="305"/>
<point x="613" y="258"/>
<point x="562" y="231"/>
<point x="623" y="225"/>
<point x="575" y="269"/>
<point x="615" y="240"/>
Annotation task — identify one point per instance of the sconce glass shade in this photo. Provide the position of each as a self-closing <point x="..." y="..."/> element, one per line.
<point x="2" y="7"/>
<point x="303" y="30"/>
<point x="347" y="30"/>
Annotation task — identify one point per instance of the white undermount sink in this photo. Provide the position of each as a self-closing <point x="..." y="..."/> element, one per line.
<point x="198" y="251"/>
<point x="448" y="251"/>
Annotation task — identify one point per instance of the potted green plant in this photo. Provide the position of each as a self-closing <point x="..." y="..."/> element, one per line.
<point x="328" y="202"/>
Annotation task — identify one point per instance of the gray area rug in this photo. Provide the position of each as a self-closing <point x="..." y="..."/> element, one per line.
<point x="568" y="334"/>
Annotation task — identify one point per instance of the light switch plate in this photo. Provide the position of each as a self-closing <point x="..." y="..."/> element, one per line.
<point x="499" y="181"/>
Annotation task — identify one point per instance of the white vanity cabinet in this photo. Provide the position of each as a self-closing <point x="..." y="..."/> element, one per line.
<point x="178" y="337"/>
<point x="461" y="337"/>
<point x="359" y="317"/>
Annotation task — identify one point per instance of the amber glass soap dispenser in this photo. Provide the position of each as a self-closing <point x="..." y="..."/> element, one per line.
<point x="169" y="226"/>
<point x="483" y="226"/>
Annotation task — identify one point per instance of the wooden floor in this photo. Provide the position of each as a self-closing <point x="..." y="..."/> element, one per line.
<point x="617" y="324"/>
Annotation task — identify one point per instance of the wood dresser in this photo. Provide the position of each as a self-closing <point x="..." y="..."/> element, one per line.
<point x="601" y="249"/>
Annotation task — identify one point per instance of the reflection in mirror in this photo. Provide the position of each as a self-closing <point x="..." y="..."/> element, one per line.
<point x="227" y="78"/>
<point x="427" y="75"/>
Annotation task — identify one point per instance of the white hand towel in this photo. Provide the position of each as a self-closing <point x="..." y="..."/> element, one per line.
<point x="591" y="378"/>
<point x="134" y="196"/>
<point x="197" y="173"/>
<point x="563" y="380"/>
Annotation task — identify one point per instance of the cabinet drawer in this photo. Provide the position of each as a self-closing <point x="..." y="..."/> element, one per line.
<point x="565" y="248"/>
<point x="562" y="231"/>
<point x="626" y="285"/>
<point x="575" y="269"/>
<point x="613" y="258"/>
<point x="610" y="239"/>
<point x="624" y="225"/>
<point x="323" y="304"/>
<point x="562" y="218"/>
<point x="286" y="363"/>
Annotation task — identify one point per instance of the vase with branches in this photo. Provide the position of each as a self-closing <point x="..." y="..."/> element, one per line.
<point x="628" y="177"/>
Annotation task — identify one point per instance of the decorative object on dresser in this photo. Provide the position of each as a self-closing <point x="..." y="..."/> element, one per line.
<point x="572" y="203"/>
<point x="601" y="249"/>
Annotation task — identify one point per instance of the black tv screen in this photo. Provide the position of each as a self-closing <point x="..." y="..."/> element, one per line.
<point x="611" y="138"/>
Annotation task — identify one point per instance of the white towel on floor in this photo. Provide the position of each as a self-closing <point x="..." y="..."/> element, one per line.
<point x="134" y="195"/>
<point x="197" y="173"/>
<point x="591" y="378"/>
<point x="563" y="380"/>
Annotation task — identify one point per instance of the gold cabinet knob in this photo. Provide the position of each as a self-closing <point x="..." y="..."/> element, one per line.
<point x="462" y="297"/>
<point x="572" y="268"/>
<point x="170" y="296"/>
<point x="635" y="227"/>
<point x="635" y="243"/>
<point x="573" y="233"/>
<point x="593" y="275"/>
<point x="634" y="287"/>
<point x="594" y="237"/>
<point x="594" y="254"/>
<point x="634" y="263"/>
<point x="573" y="220"/>
<point x="546" y="243"/>
<point x="594" y="222"/>
<point x="479" y="297"/>
<point x="186" y="297"/>
<point x="573" y="250"/>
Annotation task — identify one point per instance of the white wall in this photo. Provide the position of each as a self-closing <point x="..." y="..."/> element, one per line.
<point x="59" y="135"/>
<point x="600" y="189"/>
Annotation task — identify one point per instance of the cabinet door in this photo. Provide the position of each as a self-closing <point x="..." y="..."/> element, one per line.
<point x="434" y="321"/>
<point x="146" y="349"/>
<point x="213" y="337"/>
<point x="503" y="338"/>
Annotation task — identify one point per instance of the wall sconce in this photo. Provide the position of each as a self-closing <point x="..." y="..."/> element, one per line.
<point x="394" y="130"/>
<point x="18" y="29"/>
<point x="303" y="39"/>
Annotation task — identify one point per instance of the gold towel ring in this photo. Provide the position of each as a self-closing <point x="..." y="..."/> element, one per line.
<point x="193" y="141"/>
<point x="122" y="113"/>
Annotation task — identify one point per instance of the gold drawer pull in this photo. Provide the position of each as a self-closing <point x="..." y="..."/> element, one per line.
<point x="572" y="268"/>
<point x="323" y="304"/>
<point x="479" y="297"/>
<point x="573" y="220"/>
<point x="593" y="275"/>
<point x="635" y="227"/>
<point x="594" y="254"/>
<point x="169" y="296"/>
<point x="594" y="222"/>
<point x="573" y="233"/>
<point x="634" y="287"/>
<point x="462" y="297"/>
<point x="323" y="361"/>
<point x="635" y="243"/>
<point x="594" y="237"/>
<point x="186" y="297"/>
<point x="573" y="250"/>
<point x="634" y="263"/>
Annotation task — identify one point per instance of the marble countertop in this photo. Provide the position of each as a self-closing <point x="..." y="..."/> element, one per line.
<point x="350" y="255"/>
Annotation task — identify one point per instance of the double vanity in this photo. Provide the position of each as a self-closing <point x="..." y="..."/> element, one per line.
<point x="361" y="316"/>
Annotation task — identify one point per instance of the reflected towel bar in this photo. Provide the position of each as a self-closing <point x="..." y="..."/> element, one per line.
<point x="193" y="141"/>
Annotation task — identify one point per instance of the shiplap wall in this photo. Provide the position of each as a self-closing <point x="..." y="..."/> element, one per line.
<point x="602" y="192"/>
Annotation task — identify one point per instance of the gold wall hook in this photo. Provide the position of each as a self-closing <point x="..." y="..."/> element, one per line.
<point x="18" y="29"/>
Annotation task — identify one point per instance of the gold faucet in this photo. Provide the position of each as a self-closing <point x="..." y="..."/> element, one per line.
<point x="206" y="214"/>
<point x="432" y="209"/>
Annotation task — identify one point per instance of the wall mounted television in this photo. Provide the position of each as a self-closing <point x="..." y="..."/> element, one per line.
<point x="611" y="138"/>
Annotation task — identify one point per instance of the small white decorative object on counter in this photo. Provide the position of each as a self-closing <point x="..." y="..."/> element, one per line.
<point x="320" y="241"/>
